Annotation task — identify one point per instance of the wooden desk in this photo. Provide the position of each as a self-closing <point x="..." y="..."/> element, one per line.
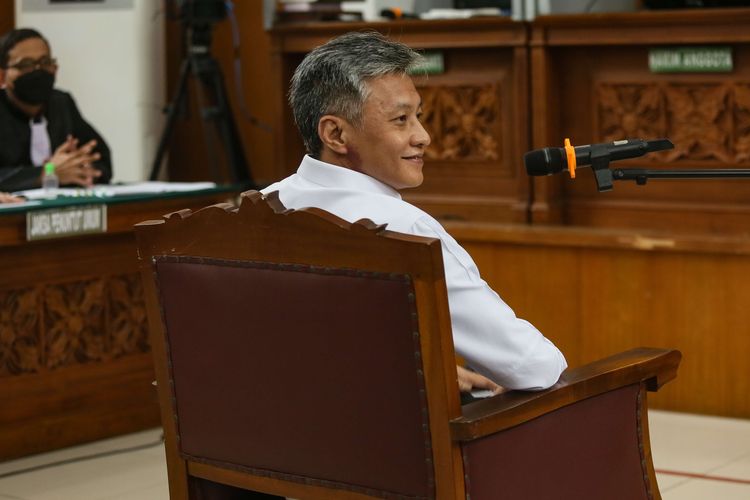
<point x="75" y="362"/>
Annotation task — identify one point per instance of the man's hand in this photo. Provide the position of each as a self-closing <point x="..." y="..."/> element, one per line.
<point x="73" y="164"/>
<point x="9" y="198"/>
<point x="469" y="380"/>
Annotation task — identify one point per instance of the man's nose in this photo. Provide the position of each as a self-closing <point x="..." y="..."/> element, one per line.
<point x="421" y="137"/>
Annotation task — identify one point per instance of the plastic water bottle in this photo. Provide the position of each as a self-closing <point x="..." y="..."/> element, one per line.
<point x="50" y="182"/>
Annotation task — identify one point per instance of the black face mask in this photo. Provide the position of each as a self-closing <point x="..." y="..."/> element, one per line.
<point x="34" y="87"/>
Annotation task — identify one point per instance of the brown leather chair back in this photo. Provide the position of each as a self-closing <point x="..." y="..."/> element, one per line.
<point x="298" y="371"/>
<point x="295" y="355"/>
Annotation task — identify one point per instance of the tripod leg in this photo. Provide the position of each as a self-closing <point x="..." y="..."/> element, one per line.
<point x="174" y="108"/>
<point x="220" y="113"/>
<point x="227" y="129"/>
<point x="203" y="68"/>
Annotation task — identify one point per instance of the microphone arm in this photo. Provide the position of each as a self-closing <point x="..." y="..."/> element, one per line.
<point x="642" y="175"/>
<point x="600" y="166"/>
<point x="600" y="157"/>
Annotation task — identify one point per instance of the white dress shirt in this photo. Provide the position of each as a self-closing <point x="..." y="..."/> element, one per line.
<point x="486" y="331"/>
<point x="40" y="147"/>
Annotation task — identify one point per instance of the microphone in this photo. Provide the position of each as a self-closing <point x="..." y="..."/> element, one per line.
<point x="548" y="161"/>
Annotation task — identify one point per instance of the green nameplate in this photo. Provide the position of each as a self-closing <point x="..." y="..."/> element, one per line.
<point x="432" y="64"/>
<point x="690" y="60"/>
<point x="65" y="221"/>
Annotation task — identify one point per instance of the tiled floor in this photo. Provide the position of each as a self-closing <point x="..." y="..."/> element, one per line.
<point x="700" y="457"/>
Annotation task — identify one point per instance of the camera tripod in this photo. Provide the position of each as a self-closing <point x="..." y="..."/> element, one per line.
<point x="203" y="67"/>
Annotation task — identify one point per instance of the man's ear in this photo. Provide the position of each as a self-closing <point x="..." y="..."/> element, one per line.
<point x="332" y="134"/>
<point x="2" y="78"/>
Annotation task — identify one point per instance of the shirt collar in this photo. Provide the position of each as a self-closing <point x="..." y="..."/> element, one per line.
<point x="329" y="175"/>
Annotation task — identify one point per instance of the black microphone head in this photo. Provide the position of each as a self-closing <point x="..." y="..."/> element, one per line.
<point x="545" y="161"/>
<point x="658" y="145"/>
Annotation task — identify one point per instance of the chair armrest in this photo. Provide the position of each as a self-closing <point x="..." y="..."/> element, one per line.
<point x="654" y="367"/>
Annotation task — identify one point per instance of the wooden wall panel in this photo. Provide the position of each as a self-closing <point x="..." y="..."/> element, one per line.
<point x="75" y="361"/>
<point x="472" y="151"/>
<point x="74" y="355"/>
<point x="704" y="115"/>
<point x="602" y="90"/>
<point x="597" y="293"/>
<point x="7" y="16"/>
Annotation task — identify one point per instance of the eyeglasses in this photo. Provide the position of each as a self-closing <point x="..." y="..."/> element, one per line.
<point x="29" y="65"/>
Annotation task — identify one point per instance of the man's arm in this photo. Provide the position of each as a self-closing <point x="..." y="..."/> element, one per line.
<point x="486" y="332"/>
<point x="19" y="178"/>
<point x="73" y="163"/>
<point x="72" y="166"/>
<point x="16" y="171"/>
<point x="9" y="198"/>
<point x="470" y="381"/>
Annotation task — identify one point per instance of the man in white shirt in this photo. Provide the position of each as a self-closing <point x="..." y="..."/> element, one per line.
<point x="359" y="115"/>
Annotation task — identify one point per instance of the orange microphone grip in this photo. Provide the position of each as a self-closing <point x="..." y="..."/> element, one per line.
<point x="571" y="158"/>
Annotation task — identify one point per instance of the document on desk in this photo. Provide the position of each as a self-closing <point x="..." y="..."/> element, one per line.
<point x="20" y="204"/>
<point x="151" y="187"/>
<point x="108" y="190"/>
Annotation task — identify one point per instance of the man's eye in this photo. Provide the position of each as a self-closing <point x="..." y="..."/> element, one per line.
<point x="402" y="118"/>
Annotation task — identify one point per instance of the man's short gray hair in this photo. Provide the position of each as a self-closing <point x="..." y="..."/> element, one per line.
<point x="332" y="79"/>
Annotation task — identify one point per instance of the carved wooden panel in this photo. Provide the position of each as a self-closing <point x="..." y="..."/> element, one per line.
<point x="699" y="122"/>
<point x="706" y="121"/>
<point x="127" y="315"/>
<point x="463" y="121"/>
<point x="19" y="332"/>
<point x="471" y="167"/>
<point x="629" y="110"/>
<point x="83" y="321"/>
<point x="742" y="121"/>
<point x="74" y="323"/>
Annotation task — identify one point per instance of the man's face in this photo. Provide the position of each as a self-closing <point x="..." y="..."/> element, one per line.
<point x="390" y="143"/>
<point x="26" y="56"/>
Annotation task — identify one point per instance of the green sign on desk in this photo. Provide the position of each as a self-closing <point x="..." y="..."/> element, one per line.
<point x="690" y="60"/>
<point x="65" y="221"/>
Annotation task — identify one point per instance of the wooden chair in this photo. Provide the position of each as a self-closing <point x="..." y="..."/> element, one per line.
<point x="300" y="355"/>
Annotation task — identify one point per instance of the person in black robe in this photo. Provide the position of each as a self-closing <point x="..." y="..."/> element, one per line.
<point x="28" y="101"/>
